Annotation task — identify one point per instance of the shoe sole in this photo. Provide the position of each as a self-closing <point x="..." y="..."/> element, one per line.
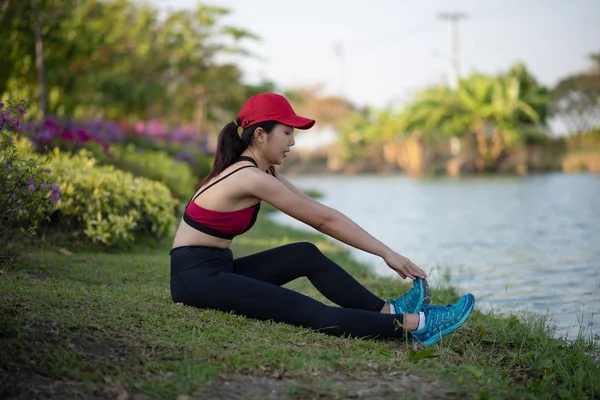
<point x="435" y="338"/>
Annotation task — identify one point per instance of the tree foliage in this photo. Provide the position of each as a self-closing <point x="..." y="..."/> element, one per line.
<point x="122" y="60"/>
<point x="495" y="113"/>
<point x="576" y="99"/>
<point x="498" y="112"/>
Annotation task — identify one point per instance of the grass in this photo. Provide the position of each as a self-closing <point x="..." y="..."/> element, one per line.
<point x="102" y="325"/>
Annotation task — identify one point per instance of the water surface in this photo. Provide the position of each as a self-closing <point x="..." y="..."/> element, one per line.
<point x="529" y="243"/>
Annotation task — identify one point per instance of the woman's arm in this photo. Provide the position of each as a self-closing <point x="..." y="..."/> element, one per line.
<point x="344" y="229"/>
<point x="293" y="188"/>
<point x="325" y="219"/>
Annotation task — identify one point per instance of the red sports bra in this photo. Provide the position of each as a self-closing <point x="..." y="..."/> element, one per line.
<point x="222" y="224"/>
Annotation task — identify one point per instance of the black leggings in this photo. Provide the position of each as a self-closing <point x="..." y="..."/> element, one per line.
<point x="208" y="277"/>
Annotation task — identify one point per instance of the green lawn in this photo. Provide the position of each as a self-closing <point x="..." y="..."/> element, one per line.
<point x="102" y="325"/>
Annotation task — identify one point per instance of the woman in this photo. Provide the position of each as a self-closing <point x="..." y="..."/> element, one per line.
<point x="205" y="274"/>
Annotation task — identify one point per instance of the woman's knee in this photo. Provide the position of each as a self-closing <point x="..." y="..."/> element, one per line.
<point x="306" y="250"/>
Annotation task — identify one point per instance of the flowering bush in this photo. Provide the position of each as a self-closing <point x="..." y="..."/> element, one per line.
<point x="26" y="197"/>
<point x="184" y="145"/>
<point x="154" y="135"/>
<point x="72" y="136"/>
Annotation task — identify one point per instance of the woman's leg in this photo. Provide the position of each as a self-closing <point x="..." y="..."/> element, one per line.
<point x="232" y="292"/>
<point x="283" y="264"/>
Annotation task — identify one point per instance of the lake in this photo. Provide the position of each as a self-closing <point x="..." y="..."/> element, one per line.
<point x="517" y="243"/>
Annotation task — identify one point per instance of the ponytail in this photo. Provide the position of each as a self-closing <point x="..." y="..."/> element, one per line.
<point x="231" y="145"/>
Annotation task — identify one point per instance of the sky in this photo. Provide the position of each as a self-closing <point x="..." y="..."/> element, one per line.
<point x="389" y="49"/>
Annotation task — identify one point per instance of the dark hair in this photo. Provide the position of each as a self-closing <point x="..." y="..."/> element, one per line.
<point x="231" y="145"/>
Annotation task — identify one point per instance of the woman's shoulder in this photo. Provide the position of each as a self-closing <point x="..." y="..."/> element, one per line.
<point x="238" y="171"/>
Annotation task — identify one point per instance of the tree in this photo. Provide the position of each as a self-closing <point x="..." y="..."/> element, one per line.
<point x="327" y="110"/>
<point x="575" y="100"/>
<point x="498" y="112"/>
<point x="119" y="60"/>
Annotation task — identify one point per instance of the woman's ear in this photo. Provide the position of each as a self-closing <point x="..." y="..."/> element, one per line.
<point x="259" y="135"/>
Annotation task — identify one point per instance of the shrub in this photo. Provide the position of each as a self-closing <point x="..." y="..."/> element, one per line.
<point x="155" y="165"/>
<point x="26" y="196"/>
<point x="110" y="206"/>
<point x="201" y="163"/>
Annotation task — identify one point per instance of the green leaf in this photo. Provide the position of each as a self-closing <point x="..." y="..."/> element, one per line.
<point x="420" y="355"/>
<point x="473" y="370"/>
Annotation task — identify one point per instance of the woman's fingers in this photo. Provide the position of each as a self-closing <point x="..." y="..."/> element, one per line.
<point x="408" y="269"/>
<point x="418" y="271"/>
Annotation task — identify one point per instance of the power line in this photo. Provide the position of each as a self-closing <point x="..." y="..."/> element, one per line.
<point x="453" y="18"/>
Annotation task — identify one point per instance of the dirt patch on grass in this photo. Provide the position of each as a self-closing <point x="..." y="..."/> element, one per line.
<point x="18" y="384"/>
<point x="31" y="368"/>
<point x="27" y="373"/>
<point x="338" y="385"/>
<point x="84" y="341"/>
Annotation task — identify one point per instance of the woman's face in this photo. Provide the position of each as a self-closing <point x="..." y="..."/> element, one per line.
<point x="278" y="143"/>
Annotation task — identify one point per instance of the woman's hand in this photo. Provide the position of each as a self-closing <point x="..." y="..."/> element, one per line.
<point x="403" y="266"/>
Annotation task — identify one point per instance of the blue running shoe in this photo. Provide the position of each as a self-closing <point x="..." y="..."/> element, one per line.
<point x="442" y="320"/>
<point x="411" y="302"/>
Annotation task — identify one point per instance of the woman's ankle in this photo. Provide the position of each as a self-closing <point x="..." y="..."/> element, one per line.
<point x="411" y="322"/>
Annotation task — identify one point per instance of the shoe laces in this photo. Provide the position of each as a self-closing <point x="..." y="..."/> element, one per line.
<point x="407" y="299"/>
<point x="439" y="316"/>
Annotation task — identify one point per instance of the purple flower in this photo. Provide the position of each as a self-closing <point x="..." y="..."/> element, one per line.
<point x="83" y="136"/>
<point x="12" y="196"/>
<point x="24" y="101"/>
<point x="21" y="110"/>
<point x="16" y="123"/>
<point x="187" y="156"/>
<point x="45" y="134"/>
<point x="8" y="165"/>
<point x="176" y="136"/>
<point x="51" y="124"/>
<point x="1" y="105"/>
<point x="29" y="180"/>
<point x="6" y="114"/>
<point x="54" y="196"/>
<point x="31" y="188"/>
<point x="48" y="170"/>
<point x="67" y="135"/>
<point x="44" y="185"/>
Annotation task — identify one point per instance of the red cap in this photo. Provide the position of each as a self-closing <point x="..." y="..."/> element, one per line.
<point x="271" y="107"/>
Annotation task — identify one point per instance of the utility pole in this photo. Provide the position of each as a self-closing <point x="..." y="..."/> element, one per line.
<point x="338" y="49"/>
<point x="453" y="18"/>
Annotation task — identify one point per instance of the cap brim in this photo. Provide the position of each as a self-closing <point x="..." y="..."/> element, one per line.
<point x="298" y="122"/>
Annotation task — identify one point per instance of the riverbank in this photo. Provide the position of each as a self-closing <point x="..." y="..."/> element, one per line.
<point x="413" y="157"/>
<point x="101" y="325"/>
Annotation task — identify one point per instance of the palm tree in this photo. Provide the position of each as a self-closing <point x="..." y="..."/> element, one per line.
<point x="515" y="119"/>
<point x="497" y="112"/>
